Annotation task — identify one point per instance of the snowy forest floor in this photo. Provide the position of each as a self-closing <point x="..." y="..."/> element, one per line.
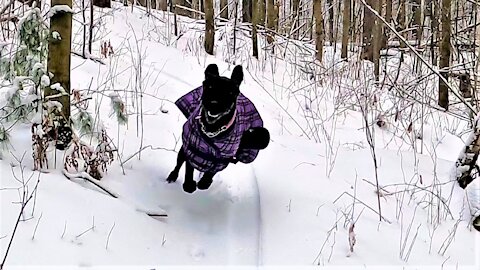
<point x="290" y="207"/>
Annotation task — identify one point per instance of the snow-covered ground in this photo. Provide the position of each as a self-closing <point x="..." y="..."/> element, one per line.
<point x="292" y="206"/>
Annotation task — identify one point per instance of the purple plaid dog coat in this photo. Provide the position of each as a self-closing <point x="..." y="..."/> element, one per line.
<point x="214" y="154"/>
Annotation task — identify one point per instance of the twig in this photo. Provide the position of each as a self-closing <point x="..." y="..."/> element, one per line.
<point x="146" y="147"/>
<point x="87" y="177"/>
<point x="108" y="237"/>
<point x="366" y="205"/>
<point x="36" y="226"/>
<point x="16" y="224"/>
<point x="440" y="77"/>
<point x="64" y="229"/>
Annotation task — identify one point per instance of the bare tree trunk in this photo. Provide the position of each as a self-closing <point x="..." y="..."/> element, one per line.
<point x="270" y="19"/>
<point x="90" y="29"/>
<point x="209" y="27"/>
<point x="181" y="11"/>
<point x="261" y="11"/>
<point x="295" y="15"/>
<point x="417" y="16"/>
<point x="162" y="5"/>
<point x="368" y="25"/>
<point x="434" y="25"/>
<point x="319" y="39"/>
<point x="346" y="27"/>
<point x="247" y="10"/>
<point x="84" y="21"/>
<point x="254" y="28"/>
<point x="330" y="21"/>
<point x="59" y="57"/>
<point x="388" y="18"/>
<point x="196" y="6"/>
<point x="376" y="40"/>
<point x="467" y="160"/>
<point x="224" y="9"/>
<point x="102" y="3"/>
<point x="402" y="23"/>
<point x="444" y="53"/>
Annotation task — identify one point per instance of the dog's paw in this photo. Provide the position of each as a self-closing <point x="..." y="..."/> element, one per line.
<point x="189" y="186"/>
<point x="204" y="183"/>
<point x="172" y="177"/>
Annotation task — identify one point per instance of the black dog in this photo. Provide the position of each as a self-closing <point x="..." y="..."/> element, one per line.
<point x="223" y="127"/>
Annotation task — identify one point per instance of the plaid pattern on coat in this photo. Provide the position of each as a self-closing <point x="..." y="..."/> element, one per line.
<point x="214" y="154"/>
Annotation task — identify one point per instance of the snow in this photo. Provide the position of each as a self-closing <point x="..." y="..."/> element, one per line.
<point x="59" y="9"/>
<point x="56" y="35"/>
<point x="289" y="207"/>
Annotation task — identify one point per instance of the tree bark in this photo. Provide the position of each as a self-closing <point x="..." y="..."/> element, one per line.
<point x="417" y="17"/>
<point x="434" y="25"/>
<point x="346" y="27"/>
<point x="376" y="40"/>
<point x="388" y="18"/>
<point x="181" y="11"/>
<point x="368" y="25"/>
<point x="209" y="27"/>
<point x="102" y="3"/>
<point x="162" y="5"/>
<point x="467" y="160"/>
<point x="319" y="39"/>
<point x="254" y="28"/>
<point x="196" y="6"/>
<point x="262" y="5"/>
<point x="330" y="21"/>
<point x="444" y="53"/>
<point x="59" y="57"/>
<point x="295" y="16"/>
<point x="247" y="10"/>
<point x="224" y="9"/>
<point x="270" y="19"/>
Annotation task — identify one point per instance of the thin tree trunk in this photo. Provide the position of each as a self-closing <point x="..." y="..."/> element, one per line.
<point x="401" y="15"/>
<point x="254" y="28"/>
<point x="295" y="16"/>
<point x="467" y="160"/>
<point x="162" y="5"/>
<point x="209" y="26"/>
<point x="330" y="21"/>
<point x="90" y="29"/>
<point x="444" y="53"/>
<point x="224" y="9"/>
<point x="368" y="25"/>
<point x="84" y="43"/>
<point x="417" y="16"/>
<point x="376" y="40"/>
<point x="388" y="18"/>
<point x="102" y="3"/>
<point x="196" y="6"/>
<point x="346" y="27"/>
<point x="319" y="39"/>
<point x="247" y="10"/>
<point x="59" y="57"/>
<point x="270" y="19"/>
<point x="181" y="11"/>
<point x="234" y="30"/>
<point x="434" y="24"/>
<point x="262" y="5"/>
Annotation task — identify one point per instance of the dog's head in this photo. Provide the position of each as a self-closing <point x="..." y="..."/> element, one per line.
<point x="220" y="93"/>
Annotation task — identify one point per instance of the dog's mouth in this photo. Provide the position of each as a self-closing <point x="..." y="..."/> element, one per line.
<point x="212" y="117"/>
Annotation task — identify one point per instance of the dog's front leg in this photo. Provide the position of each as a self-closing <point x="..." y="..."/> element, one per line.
<point x="172" y="177"/>
<point x="206" y="181"/>
<point x="189" y="185"/>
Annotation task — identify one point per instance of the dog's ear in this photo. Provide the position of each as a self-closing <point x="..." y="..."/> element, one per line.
<point x="237" y="75"/>
<point x="210" y="71"/>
